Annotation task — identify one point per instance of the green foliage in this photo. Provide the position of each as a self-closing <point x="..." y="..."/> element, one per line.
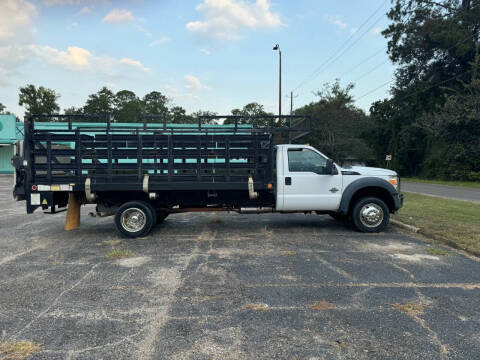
<point x="100" y="103"/>
<point x="205" y="116"/>
<point x="41" y="101"/>
<point x="253" y="114"/>
<point x="430" y="125"/>
<point x="156" y="104"/>
<point x="73" y="111"/>
<point x="338" y="126"/>
<point x="2" y="108"/>
<point x="127" y="107"/>
<point x="178" y="115"/>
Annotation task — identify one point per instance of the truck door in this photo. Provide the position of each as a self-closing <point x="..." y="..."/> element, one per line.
<point x="306" y="184"/>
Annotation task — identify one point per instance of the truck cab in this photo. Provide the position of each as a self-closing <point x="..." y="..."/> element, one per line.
<point x="308" y="180"/>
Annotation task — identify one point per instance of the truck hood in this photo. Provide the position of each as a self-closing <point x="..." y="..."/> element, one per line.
<point x="365" y="170"/>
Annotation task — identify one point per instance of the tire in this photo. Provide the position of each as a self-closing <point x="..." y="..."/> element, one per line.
<point x="161" y="215"/>
<point x="153" y="212"/>
<point x="370" y="215"/>
<point x="134" y="219"/>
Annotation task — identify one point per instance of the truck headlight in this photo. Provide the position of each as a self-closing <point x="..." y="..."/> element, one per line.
<point x="395" y="181"/>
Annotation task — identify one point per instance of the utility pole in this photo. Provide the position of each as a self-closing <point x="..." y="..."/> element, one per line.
<point x="291" y="101"/>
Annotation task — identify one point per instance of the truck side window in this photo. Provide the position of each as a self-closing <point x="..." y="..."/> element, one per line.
<point x="306" y="160"/>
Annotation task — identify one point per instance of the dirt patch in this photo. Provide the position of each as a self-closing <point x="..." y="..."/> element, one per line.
<point x="322" y="305"/>
<point x="391" y="247"/>
<point x="257" y="307"/>
<point x="410" y="308"/>
<point x="288" y="277"/>
<point x="288" y="253"/>
<point x="267" y="232"/>
<point x="112" y="242"/>
<point x="18" y="350"/>
<point x="133" y="262"/>
<point x="415" y="257"/>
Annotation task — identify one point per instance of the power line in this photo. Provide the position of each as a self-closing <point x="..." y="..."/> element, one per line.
<point x="371" y="70"/>
<point x="388" y="82"/>
<point x="333" y="56"/>
<point x="377" y="88"/>
<point x="417" y="92"/>
<point x="364" y="61"/>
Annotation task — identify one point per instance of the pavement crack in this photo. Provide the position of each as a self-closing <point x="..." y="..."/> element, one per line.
<point x="336" y="268"/>
<point x="55" y="301"/>
<point x="147" y="348"/>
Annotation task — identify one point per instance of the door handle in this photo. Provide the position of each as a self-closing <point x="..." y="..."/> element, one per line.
<point x="288" y="181"/>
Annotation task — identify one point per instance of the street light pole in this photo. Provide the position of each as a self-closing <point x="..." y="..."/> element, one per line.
<point x="277" y="47"/>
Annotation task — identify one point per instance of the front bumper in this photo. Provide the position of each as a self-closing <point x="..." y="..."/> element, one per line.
<point x="397" y="201"/>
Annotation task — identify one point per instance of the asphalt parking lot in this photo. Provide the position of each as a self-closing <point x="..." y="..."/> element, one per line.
<point x="227" y="286"/>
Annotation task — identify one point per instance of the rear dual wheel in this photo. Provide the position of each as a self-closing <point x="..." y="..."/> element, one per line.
<point x="135" y="219"/>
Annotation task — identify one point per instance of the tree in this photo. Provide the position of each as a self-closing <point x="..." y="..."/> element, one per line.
<point x="41" y="101"/>
<point x="101" y="103"/>
<point x="178" y="115"/>
<point x="455" y="128"/>
<point x="73" y="111"/>
<point x="128" y="107"/>
<point x="253" y="114"/>
<point x="2" y="108"/>
<point x="205" y="115"/>
<point x="337" y="125"/>
<point x="156" y="105"/>
<point x="434" y="45"/>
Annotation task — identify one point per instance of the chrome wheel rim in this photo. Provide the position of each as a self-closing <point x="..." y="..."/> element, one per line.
<point x="371" y="215"/>
<point x="133" y="220"/>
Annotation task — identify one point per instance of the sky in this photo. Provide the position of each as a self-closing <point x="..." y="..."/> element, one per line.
<point x="211" y="55"/>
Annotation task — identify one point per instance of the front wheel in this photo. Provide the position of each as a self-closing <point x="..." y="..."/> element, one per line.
<point x="370" y="215"/>
<point x="134" y="219"/>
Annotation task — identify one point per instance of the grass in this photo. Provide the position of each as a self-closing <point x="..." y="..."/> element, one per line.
<point x="472" y="184"/>
<point x="322" y="305"/>
<point x="410" y="308"/>
<point x="438" y="251"/>
<point x="119" y="254"/>
<point x="456" y="223"/>
<point x="18" y="350"/>
<point x="257" y="307"/>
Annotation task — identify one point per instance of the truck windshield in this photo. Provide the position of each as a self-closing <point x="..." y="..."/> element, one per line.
<point x="306" y="160"/>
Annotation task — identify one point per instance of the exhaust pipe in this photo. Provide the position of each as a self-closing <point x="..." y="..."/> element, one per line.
<point x="255" y="210"/>
<point x="251" y="191"/>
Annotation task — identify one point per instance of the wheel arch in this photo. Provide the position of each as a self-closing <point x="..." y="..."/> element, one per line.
<point x="365" y="187"/>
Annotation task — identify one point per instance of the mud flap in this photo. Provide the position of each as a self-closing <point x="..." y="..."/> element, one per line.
<point x="72" y="220"/>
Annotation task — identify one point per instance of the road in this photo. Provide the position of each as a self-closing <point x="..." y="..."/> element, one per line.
<point x="447" y="191"/>
<point x="227" y="286"/>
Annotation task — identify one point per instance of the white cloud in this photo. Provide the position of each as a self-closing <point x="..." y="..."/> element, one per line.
<point x="118" y="16"/>
<point x="74" y="58"/>
<point x="16" y="31"/>
<point x="79" y="59"/>
<point x="377" y="31"/>
<point x="193" y="83"/>
<point x="134" y="63"/>
<point x="335" y="20"/>
<point x="65" y="2"/>
<point x="205" y="51"/>
<point x="162" y="40"/>
<point x="16" y="21"/>
<point x="84" y="11"/>
<point x="225" y="19"/>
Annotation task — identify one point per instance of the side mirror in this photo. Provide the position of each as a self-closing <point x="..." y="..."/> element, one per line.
<point x="330" y="167"/>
